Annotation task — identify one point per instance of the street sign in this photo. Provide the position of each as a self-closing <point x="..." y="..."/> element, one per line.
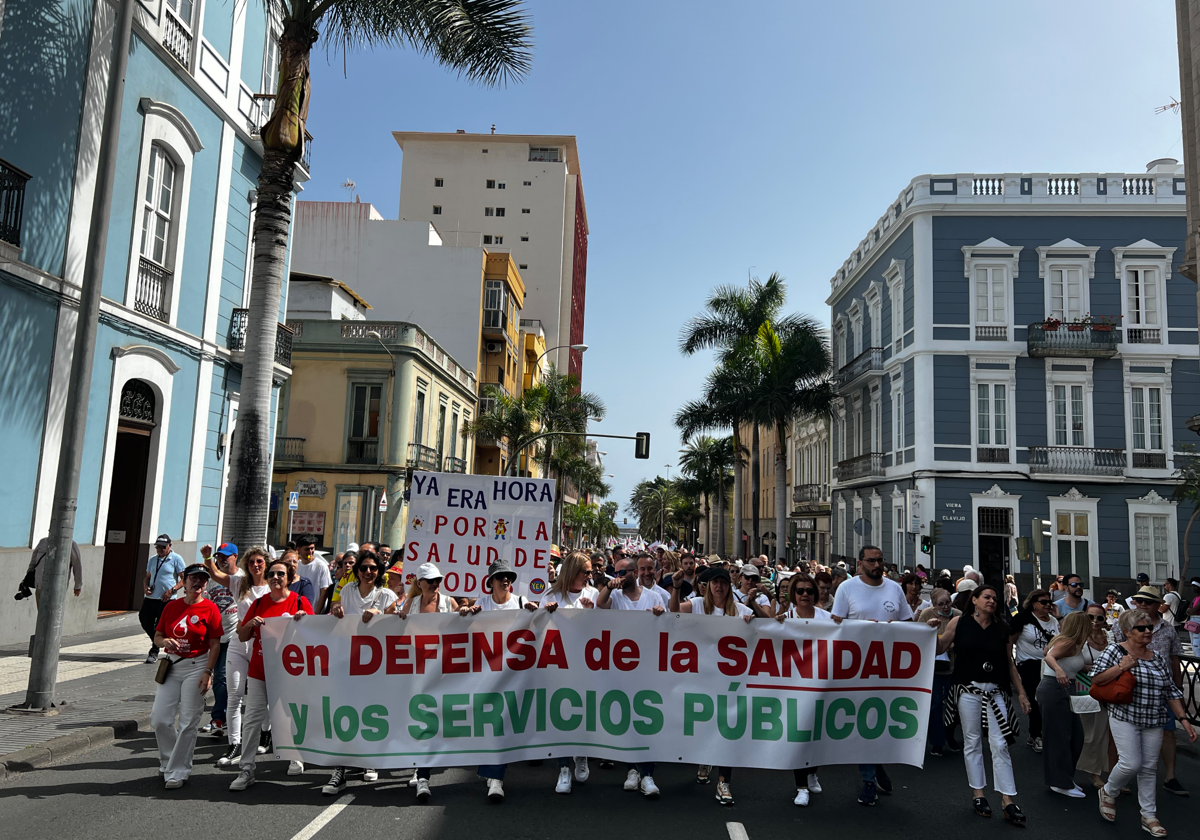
<point x="293" y="500"/>
<point x="383" y="501"/>
<point x="912" y="502"/>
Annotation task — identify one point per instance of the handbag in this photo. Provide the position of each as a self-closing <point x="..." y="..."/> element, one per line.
<point x="164" y="668"/>
<point x="1192" y="626"/>
<point x="1119" y="691"/>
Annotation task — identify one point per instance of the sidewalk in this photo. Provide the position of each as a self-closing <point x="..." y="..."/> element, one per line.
<point x="106" y="688"/>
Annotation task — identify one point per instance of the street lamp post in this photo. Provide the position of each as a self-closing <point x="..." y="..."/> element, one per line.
<point x="582" y="348"/>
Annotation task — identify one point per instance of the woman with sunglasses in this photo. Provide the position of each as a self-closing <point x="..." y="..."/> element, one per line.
<point x="1137" y="727"/>
<point x="425" y="596"/>
<point x="1098" y="753"/>
<point x="1067" y="655"/>
<point x="802" y="595"/>
<point x="367" y="596"/>
<point x="278" y="602"/>
<point x="984" y="677"/>
<point x="1032" y="629"/>
<point x="572" y="590"/>
<point x="246" y="584"/>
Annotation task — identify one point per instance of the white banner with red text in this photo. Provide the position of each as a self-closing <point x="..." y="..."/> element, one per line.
<point x="442" y="690"/>
<point x="464" y="523"/>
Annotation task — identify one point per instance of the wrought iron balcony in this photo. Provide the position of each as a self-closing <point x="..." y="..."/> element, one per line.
<point x="284" y="334"/>
<point x="177" y="37"/>
<point x="422" y="457"/>
<point x="1076" y="460"/>
<point x="455" y="465"/>
<point x="867" y="363"/>
<point x="362" y="451"/>
<point x="810" y="494"/>
<point x="1077" y="340"/>
<point x="868" y="465"/>
<point x="1148" y="460"/>
<point x="289" y="449"/>
<point x="991" y="454"/>
<point x="12" y="202"/>
<point x="150" y="293"/>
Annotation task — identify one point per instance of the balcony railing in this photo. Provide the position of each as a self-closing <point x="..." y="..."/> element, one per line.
<point x="1071" y="340"/>
<point x="991" y="454"/>
<point x="494" y="375"/>
<point x="177" y="38"/>
<point x="150" y="293"/>
<point x="1143" y="335"/>
<point x="362" y="451"/>
<point x="864" y="466"/>
<point x="1076" y="460"/>
<point x="810" y="494"/>
<point x="289" y="449"/>
<point x="422" y="457"/>
<point x="989" y="333"/>
<point x="455" y="465"/>
<point x="868" y="361"/>
<point x="1148" y="460"/>
<point x="12" y="202"/>
<point x="237" y="337"/>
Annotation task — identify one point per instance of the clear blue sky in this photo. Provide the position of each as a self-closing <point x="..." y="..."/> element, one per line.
<point x="715" y="143"/>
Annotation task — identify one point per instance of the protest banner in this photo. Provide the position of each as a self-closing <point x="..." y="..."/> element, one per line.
<point x="442" y="690"/>
<point x="464" y="523"/>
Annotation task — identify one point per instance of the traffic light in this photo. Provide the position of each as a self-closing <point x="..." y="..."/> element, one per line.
<point x="935" y="532"/>
<point x="1041" y="534"/>
<point x="926" y="544"/>
<point x="641" y="448"/>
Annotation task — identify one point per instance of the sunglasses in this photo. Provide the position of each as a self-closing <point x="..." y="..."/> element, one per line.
<point x="1097" y="619"/>
<point x="271" y="575"/>
<point x="623" y="572"/>
<point x="432" y="581"/>
<point x="1041" y="601"/>
<point x="371" y="569"/>
<point x="1143" y="628"/>
<point x="1143" y="602"/>
<point x="806" y="590"/>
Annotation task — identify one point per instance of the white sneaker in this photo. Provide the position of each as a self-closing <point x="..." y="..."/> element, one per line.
<point x="413" y="781"/>
<point x="633" y="779"/>
<point x="801" y="797"/>
<point x="564" y="780"/>
<point x="814" y="784"/>
<point x="295" y="768"/>
<point x="1073" y="793"/>
<point x="649" y="789"/>
<point x="423" y="791"/>
<point x="581" y="769"/>
<point x="243" y="780"/>
<point x="495" y="790"/>
<point x="370" y="775"/>
<point x="174" y="784"/>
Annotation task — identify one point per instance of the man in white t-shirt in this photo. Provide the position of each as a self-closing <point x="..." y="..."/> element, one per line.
<point x="624" y="592"/>
<point x="313" y="569"/>
<point x="647" y="573"/>
<point x="870" y="596"/>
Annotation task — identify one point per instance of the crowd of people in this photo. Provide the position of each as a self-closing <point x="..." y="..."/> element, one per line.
<point x="1046" y="650"/>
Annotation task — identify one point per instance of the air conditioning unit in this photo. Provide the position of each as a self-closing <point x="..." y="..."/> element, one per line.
<point x="494" y="346"/>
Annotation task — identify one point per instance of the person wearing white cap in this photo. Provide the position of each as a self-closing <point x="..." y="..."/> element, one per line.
<point x="425" y="596"/>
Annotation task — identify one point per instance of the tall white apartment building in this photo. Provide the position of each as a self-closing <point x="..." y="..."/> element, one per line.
<point x="516" y="192"/>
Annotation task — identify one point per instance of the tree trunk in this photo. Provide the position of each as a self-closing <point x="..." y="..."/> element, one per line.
<point x="780" y="493"/>
<point x="247" y="499"/>
<point x="721" y="519"/>
<point x="1187" y="557"/>
<point x="755" y="487"/>
<point x="736" y="548"/>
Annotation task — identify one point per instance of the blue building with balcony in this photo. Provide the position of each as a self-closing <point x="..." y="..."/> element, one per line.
<point x="1018" y="347"/>
<point x="166" y="372"/>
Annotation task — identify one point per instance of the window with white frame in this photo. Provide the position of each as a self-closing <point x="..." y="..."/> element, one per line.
<point x="1066" y="291"/>
<point x="1070" y="425"/>
<point x="898" y="535"/>
<point x="1143" y="320"/>
<point x="989" y="275"/>
<point x="990" y="295"/>
<point x="898" y="419"/>
<point x="875" y="314"/>
<point x="991" y="414"/>
<point x="894" y="277"/>
<point x="158" y="206"/>
<point x="1152" y="537"/>
<point x="1146" y="415"/>
<point x="876" y="423"/>
<point x="1072" y="530"/>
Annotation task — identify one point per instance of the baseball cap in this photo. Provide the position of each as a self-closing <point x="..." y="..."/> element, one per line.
<point x="1143" y="577"/>
<point x="428" y="571"/>
<point x="750" y="570"/>
<point x="196" y="569"/>
<point x="965" y="585"/>
<point x="352" y="547"/>
<point x="226" y="549"/>
<point x="163" y="539"/>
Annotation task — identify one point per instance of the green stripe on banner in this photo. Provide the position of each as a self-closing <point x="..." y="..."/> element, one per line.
<point x="460" y="752"/>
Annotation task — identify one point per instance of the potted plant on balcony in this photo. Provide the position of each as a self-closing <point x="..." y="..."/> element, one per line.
<point x="1080" y="325"/>
<point x="1051" y="324"/>
<point x="1104" y="323"/>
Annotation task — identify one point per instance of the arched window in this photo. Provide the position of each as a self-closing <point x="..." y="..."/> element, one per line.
<point x="137" y="404"/>
<point x="157" y="206"/>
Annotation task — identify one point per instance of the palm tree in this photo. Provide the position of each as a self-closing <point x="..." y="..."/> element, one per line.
<point x="511" y="419"/>
<point x="695" y="461"/>
<point x="794" y="365"/>
<point x="562" y="407"/>
<point x="488" y="41"/>
<point x="730" y="325"/>
<point x="570" y="465"/>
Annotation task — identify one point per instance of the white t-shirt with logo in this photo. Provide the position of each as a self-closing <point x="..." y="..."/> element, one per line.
<point x="486" y="604"/>
<point x="570" y="600"/>
<point x="353" y="603"/>
<point x="698" y="608"/>
<point x="818" y="614"/>
<point x="855" y="599"/>
<point x="649" y="599"/>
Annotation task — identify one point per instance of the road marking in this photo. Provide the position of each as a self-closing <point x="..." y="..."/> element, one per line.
<point x="323" y="819"/>
<point x="737" y="831"/>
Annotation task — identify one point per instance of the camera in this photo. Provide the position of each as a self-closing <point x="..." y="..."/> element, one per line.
<point x="25" y="587"/>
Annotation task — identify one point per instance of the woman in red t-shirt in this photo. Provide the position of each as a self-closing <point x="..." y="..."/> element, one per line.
<point x="278" y="602"/>
<point x="189" y="634"/>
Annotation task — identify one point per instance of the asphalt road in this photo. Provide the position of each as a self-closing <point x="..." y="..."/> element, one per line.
<point x="114" y="792"/>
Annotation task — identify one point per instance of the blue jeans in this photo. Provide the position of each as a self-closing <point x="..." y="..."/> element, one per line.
<point x="492" y="771"/>
<point x="937" y="705"/>
<point x="220" y="690"/>
<point x="867" y="771"/>
<point x="646" y="768"/>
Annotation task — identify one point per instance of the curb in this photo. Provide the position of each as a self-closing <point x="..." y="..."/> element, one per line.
<point x="56" y="749"/>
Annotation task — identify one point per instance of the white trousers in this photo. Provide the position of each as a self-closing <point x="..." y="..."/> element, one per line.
<point x="255" y="715"/>
<point x="179" y="696"/>
<point x="1137" y="755"/>
<point x="970" y="713"/>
